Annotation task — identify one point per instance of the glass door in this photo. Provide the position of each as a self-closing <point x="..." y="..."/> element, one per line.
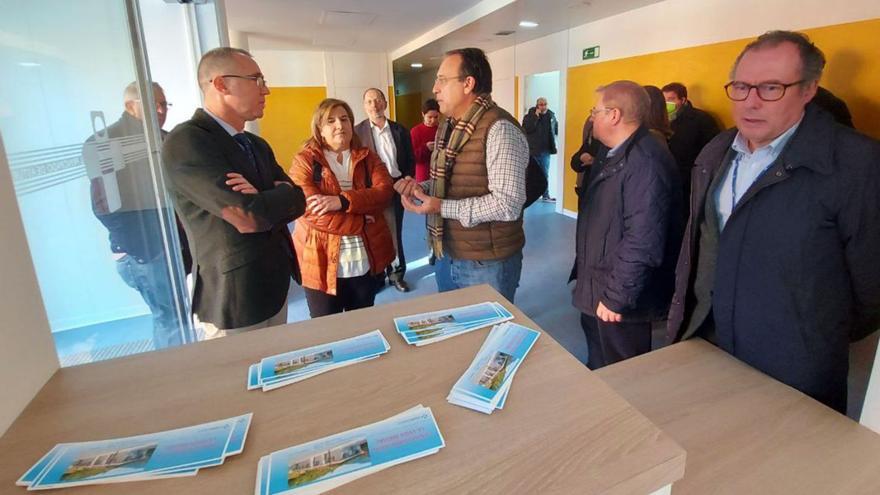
<point x="81" y="123"/>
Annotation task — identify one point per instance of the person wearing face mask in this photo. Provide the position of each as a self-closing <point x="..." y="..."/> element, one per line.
<point x="342" y="240"/>
<point x="692" y="129"/>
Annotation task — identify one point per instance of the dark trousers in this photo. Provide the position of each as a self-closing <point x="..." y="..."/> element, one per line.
<point x="351" y="293"/>
<point x="608" y="343"/>
<point x="397" y="269"/>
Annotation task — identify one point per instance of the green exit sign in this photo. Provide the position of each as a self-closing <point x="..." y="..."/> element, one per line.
<point x="591" y="52"/>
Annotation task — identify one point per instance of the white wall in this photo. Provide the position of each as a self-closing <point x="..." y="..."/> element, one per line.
<point x="27" y="354"/>
<point x="546" y="54"/>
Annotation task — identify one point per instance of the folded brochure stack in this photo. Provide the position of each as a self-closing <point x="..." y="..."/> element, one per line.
<point x="290" y="367"/>
<point x="485" y="384"/>
<point x="167" y="454"/>
<point x="330" y="462"/>
<point x="427" y="328"/>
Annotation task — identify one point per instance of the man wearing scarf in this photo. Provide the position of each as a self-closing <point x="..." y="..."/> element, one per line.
<point x="475" y="196"/>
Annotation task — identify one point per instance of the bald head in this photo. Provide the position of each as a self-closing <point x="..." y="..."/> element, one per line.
<point x="629" y="97"/>
<point x="219" y="61"/>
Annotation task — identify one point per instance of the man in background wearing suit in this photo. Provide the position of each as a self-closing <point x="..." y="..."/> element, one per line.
<point x="391" y="141"/>
<point x="234" y="200"/>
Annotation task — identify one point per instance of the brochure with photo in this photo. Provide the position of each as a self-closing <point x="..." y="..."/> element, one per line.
<point x="428" y="328"/>
<point x="485" y="384"/>
<point x="326" y="463"/>
<point x="290" y="367"/>
<point x="172" y="453"/>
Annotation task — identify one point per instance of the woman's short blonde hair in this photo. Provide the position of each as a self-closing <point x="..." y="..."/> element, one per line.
<point x="320" y="116"/>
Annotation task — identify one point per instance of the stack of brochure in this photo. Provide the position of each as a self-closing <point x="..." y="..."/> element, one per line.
<point x="330" y="462"/>
<point x="427" y="328"/>
<point x="283" y="369"/>
<point x="485" y="384"/>
<point x="166" y="454"/>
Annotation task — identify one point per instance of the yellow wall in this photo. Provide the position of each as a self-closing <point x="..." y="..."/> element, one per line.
<point x="391" y="105"/>
<point x="285" y="123"/>
<point x="409" y="109"/>
<point x="852" y="73"/>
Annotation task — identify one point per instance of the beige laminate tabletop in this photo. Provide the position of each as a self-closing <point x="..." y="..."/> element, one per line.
<point x="563" y="430"/>
<point x="743" y="431"/>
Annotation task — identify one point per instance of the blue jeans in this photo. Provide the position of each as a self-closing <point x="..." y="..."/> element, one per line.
<point x="503" y="275"/>
<point x="544" y="161"/>
<point x="152" y="281"/>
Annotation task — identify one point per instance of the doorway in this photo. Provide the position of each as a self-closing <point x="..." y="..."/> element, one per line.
<point x="546" y="85"/>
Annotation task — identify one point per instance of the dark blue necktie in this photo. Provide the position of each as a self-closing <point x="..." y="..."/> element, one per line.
<point x="248" y="148"/>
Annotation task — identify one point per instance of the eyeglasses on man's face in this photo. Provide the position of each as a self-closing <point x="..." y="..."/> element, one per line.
<point x="594" y="111"/>
<point x="444" y="80"/>
<point x="259" y="79"/>
<point x="766" y="91"/>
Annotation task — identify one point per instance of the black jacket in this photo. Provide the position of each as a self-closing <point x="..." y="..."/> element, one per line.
<point x="406" y="160"/>
<point x="797" y="275"/>
<point x="240" y="278"/>
<point x="541" y="131"/>
<point x="692" y="129"/>
<point x="629" y="231"/>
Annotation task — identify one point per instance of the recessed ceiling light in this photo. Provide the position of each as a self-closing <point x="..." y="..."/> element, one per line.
<point x="416" y="65"/>
<point x="28" y="64"/>
<point x="528" y="24"/>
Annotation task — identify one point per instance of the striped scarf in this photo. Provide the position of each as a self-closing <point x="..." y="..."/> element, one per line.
<point x="451" y="138"/>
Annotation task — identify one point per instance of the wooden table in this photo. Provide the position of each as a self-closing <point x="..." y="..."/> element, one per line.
<point x="563" y="430"/>
<point x="743" y="431"/>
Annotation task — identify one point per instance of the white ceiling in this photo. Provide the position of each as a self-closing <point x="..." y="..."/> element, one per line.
<point x="376" y="26"/>
<point x="552" y="16"/>
<point x="399" y="25"/>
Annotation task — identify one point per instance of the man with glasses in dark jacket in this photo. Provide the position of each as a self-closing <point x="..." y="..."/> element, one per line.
<point x="778" y="265"/>
<point x="628" y="229"/>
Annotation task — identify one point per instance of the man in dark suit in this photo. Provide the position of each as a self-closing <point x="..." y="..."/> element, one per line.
<point x="234" y="200"/>
<point x="391" y="141"/>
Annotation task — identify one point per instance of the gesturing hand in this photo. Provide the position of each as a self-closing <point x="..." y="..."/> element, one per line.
<point x="427" y="204"/>
<point x="320" y="204"/>
<point x="240" y="184"/>
<point x="406" y="185"/>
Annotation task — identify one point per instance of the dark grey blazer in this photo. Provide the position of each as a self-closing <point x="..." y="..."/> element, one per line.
<point x="406" y="160"/>
<point x="242" y="254"/>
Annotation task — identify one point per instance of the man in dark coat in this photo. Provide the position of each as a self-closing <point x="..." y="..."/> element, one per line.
<point x="234" y="200"/>
<point x="628" y="229"/>
<point x="779" y="263"/>
<point x="392" y="142"/>
<point x="541" y="128"/>
<point x="692" y="129"/>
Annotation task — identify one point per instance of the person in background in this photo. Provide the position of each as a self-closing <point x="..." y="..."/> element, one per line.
<point x="134" y="225"/>
<point x="692" y="129"/>
<point x="628" y="229"/>
<point x="391" y="142"/>
<point x="234" y="200"/>
<point x="423" y="136"/>
<point x="342" y="240"/>
<point x="657" y="120"/>
<point x="779" y="261"/>
<point x="541" y="128"/>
